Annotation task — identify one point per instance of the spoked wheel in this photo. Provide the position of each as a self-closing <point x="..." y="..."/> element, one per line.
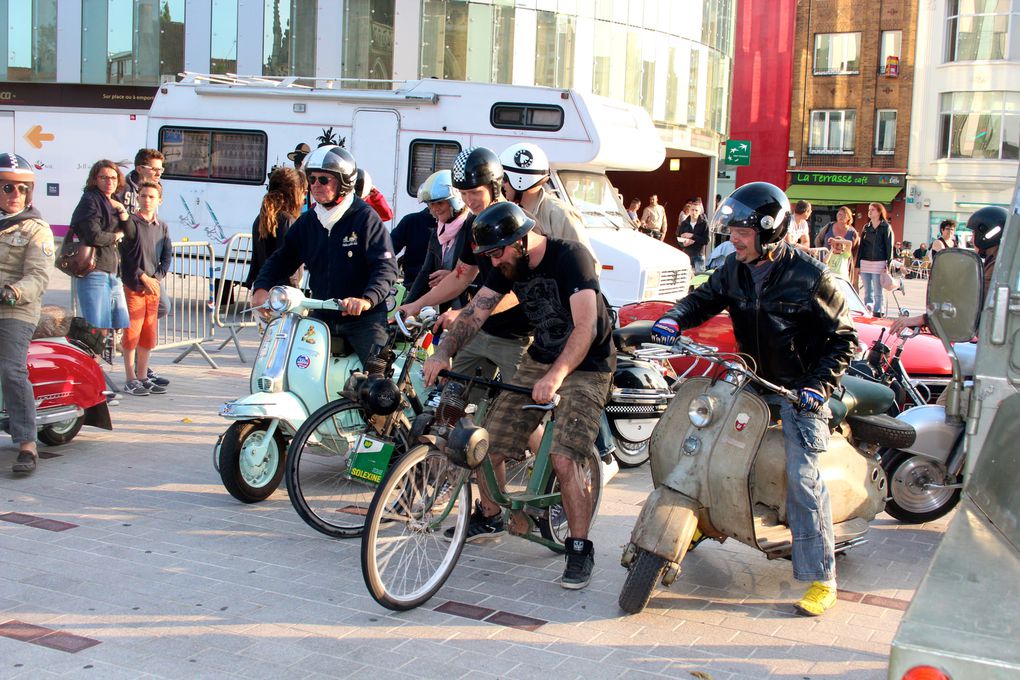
<point x="405" y="555"/>
<point x="631" y="454"/>
<point x="251" y="465"/>
<point x="553" y="523"/>
<point x="56" y="434"/>
<point x="911" y="499"/>
<point x="644" y="574"/>
<point x="329" y="494"/>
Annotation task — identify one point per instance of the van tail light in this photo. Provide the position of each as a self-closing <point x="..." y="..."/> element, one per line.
<point x="925" y="673"/>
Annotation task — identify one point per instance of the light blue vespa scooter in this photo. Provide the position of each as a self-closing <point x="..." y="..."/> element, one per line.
<point x="293" y="374"/>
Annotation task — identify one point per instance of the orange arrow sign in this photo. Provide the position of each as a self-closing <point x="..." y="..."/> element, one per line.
<point x="35" y="136"/>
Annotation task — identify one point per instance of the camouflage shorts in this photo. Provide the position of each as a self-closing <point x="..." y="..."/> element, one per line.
<point x="582" y="398"/>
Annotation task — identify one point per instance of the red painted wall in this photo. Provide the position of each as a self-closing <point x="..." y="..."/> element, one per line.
<point x="762" y="87"/>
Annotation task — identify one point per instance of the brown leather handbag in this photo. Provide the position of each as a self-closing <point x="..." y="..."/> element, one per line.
<point x="76" y="258"/>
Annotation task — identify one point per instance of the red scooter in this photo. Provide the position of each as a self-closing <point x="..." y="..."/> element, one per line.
<point x="68" y="385"/>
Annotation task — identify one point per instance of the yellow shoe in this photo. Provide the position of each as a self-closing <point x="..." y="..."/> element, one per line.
<point x="697" y="538"/>
<point x="818" y="598"/>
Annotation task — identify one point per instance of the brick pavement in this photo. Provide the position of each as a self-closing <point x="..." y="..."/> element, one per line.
<point x="164" y="575"/>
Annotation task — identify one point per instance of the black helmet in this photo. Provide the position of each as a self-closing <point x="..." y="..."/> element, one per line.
<point x="499" y="225"/>
<point x="760" y="206"/>
<point x="987" y="225"/>
<point x="476" y="167"/>
<point x="338" y="162"/>
<point x="14" y="168"/>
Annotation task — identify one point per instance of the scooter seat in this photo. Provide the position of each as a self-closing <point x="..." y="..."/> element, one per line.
<point x="630" y="337"/>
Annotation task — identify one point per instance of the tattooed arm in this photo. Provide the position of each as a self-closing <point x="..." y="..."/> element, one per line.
<point x="463" y="329"/>
<point x="450" y="287"/>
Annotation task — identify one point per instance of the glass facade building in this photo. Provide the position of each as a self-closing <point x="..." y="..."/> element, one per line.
<point x="672" y="58"/>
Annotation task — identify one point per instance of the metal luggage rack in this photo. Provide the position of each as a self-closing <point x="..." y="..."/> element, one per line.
<point x="368" y="89"/>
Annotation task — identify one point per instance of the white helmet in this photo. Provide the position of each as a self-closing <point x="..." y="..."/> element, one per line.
<point x="524" y="165"/>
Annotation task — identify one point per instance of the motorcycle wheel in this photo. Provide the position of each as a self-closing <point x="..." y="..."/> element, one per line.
<point x="908" y="500"/>
<point x="56" y="434"/>
<point x="630" y="454"/>
<point x="246" y="481"/>
<point x="322" y="489"/>
<point x="644" y="574"/>
<point x="553" y="523"/>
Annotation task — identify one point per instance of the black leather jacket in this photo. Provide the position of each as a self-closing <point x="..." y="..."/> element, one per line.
<point x="798" y="330"/>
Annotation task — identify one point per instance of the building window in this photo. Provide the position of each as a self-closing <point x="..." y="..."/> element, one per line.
<point x="132" y="42"/>
<point x="979" y="30"/>
<point x="885" y="131"/>
<point x="223" y="37"/>
<point x="288" y="41"/>
<point x="979" y="125"/>
<point x="832" y="132"/>
<point x="368" y="45"/>
<point x="213" y="155"/>
<point x="837" y="54"/>
<point x="428" y="156"/>
<point x="889" y="53"/>
<point x="31" y="42"/>
<point x="453" y="29"/>
<point x="554" y="50"/>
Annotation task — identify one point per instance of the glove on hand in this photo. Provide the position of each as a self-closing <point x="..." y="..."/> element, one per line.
<point x="665" y="331"/>
<point x="8" y="296"/>
<point x="810" y="400"/>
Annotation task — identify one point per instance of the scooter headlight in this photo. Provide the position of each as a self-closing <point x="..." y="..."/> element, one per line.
<point x="284" y="298"/>
<point x="701" y="410"/>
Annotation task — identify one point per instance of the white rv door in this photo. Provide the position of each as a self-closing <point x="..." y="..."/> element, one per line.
<point x="375" y="137"/>
<point x="7" y="129"/>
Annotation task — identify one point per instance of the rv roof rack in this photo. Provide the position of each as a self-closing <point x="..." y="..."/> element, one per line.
<point x="303" y="87"/>
<point x="302" y="82"/>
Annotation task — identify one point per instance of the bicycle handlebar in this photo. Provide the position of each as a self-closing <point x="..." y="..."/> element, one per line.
<point x="501" y="386"/>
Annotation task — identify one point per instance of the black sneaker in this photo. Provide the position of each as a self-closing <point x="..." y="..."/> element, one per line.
<point x="580" y="563"/>
<point x="136" y="388"/>
<point x="156" y="379"/>
<point x="153" y="387"/>
<point x="480" y="527"/>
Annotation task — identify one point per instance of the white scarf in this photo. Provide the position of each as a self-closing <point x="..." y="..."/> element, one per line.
<point x="330" y="216"/>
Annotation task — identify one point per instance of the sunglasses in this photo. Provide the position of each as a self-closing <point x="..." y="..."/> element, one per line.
<point x="11" y="188"/>
<point x="495" y="252"/>
<point x="321" y="179"/>
<point x="155" y="171"/>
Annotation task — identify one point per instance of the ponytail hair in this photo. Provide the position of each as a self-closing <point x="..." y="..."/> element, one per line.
<point x="285" y="186"/>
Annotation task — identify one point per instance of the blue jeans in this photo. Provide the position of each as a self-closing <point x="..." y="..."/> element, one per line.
<point x="18" y="395"/>
<point x="101" y="300"/>
<point x="873" y="291"/>
<point x="808" y="513"/>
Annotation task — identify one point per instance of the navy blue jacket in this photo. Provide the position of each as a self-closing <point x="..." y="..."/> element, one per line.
<point x="355" y="259"/>
<point x="412" y="235"/>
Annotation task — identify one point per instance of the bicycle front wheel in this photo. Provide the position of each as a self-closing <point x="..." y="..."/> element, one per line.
<point x="553" y="522"/>
<point x="329" y="494"/>
<point x="415" y="529"/>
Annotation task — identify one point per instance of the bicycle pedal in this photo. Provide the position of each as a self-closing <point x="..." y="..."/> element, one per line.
<point x="518" y="523"/>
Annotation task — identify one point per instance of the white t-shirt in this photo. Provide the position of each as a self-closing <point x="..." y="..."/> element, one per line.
<point x="797" y="230"/>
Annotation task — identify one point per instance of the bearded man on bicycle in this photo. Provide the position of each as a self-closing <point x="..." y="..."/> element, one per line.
<point x="572" y="355"/>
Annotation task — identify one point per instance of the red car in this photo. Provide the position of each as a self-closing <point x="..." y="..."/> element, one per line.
<point x="924" y="358"/>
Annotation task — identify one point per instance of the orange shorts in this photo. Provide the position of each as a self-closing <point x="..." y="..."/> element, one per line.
<point x="142" y="310"/>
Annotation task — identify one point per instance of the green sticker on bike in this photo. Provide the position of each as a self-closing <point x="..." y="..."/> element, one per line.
<point x="371" y="458"/>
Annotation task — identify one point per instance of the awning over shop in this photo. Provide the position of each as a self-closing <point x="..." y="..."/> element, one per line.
<point x="820" y="194"/>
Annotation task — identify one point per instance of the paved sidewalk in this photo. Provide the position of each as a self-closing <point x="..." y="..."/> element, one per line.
<point x="125" y="546"/>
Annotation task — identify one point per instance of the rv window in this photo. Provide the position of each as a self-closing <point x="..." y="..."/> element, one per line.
<point x="428" y="156"/>
<point x="526" y="116"/>
<point x="208" y="155"/>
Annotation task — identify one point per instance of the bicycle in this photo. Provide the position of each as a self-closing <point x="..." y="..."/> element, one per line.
<point x="341" y="452"/>
<point x="405" y="557"/>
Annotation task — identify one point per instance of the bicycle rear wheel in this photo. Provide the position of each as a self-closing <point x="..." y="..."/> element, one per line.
<point x="405" y="556"/>
<point x="324" y="489"/>
<point x="553" y="522"/>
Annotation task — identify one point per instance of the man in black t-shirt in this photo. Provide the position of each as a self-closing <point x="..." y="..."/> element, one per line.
<point x="572" y="355"/>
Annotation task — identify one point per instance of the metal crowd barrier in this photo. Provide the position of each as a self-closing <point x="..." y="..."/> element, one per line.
<point x="189" y="288"/>
<point x="234" y="299"/>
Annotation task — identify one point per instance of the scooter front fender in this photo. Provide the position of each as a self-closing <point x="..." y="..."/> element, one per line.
<point x="661" y="528"/>
<point x="282" y="406"/>
<point x="935" y="438"/>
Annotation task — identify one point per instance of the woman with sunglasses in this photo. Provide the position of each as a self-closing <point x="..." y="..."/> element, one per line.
<point x="26" y="255"/>
<point x="99" y="221"/>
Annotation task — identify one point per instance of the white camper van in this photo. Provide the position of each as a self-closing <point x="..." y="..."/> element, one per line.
<point x="221" y="135"/>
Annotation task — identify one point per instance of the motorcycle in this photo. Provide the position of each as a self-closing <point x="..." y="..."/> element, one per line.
<point x="718" y="465"/>
<point x="68" y="385"/>
<point x="925" y="477"/>
<point x="640" y="394"/>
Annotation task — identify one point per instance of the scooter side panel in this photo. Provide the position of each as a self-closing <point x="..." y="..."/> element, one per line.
<point x="62" y="374"/>
<point x="935" y="438"/>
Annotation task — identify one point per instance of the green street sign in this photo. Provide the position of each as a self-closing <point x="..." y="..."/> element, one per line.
<point x="738" y="152"/>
